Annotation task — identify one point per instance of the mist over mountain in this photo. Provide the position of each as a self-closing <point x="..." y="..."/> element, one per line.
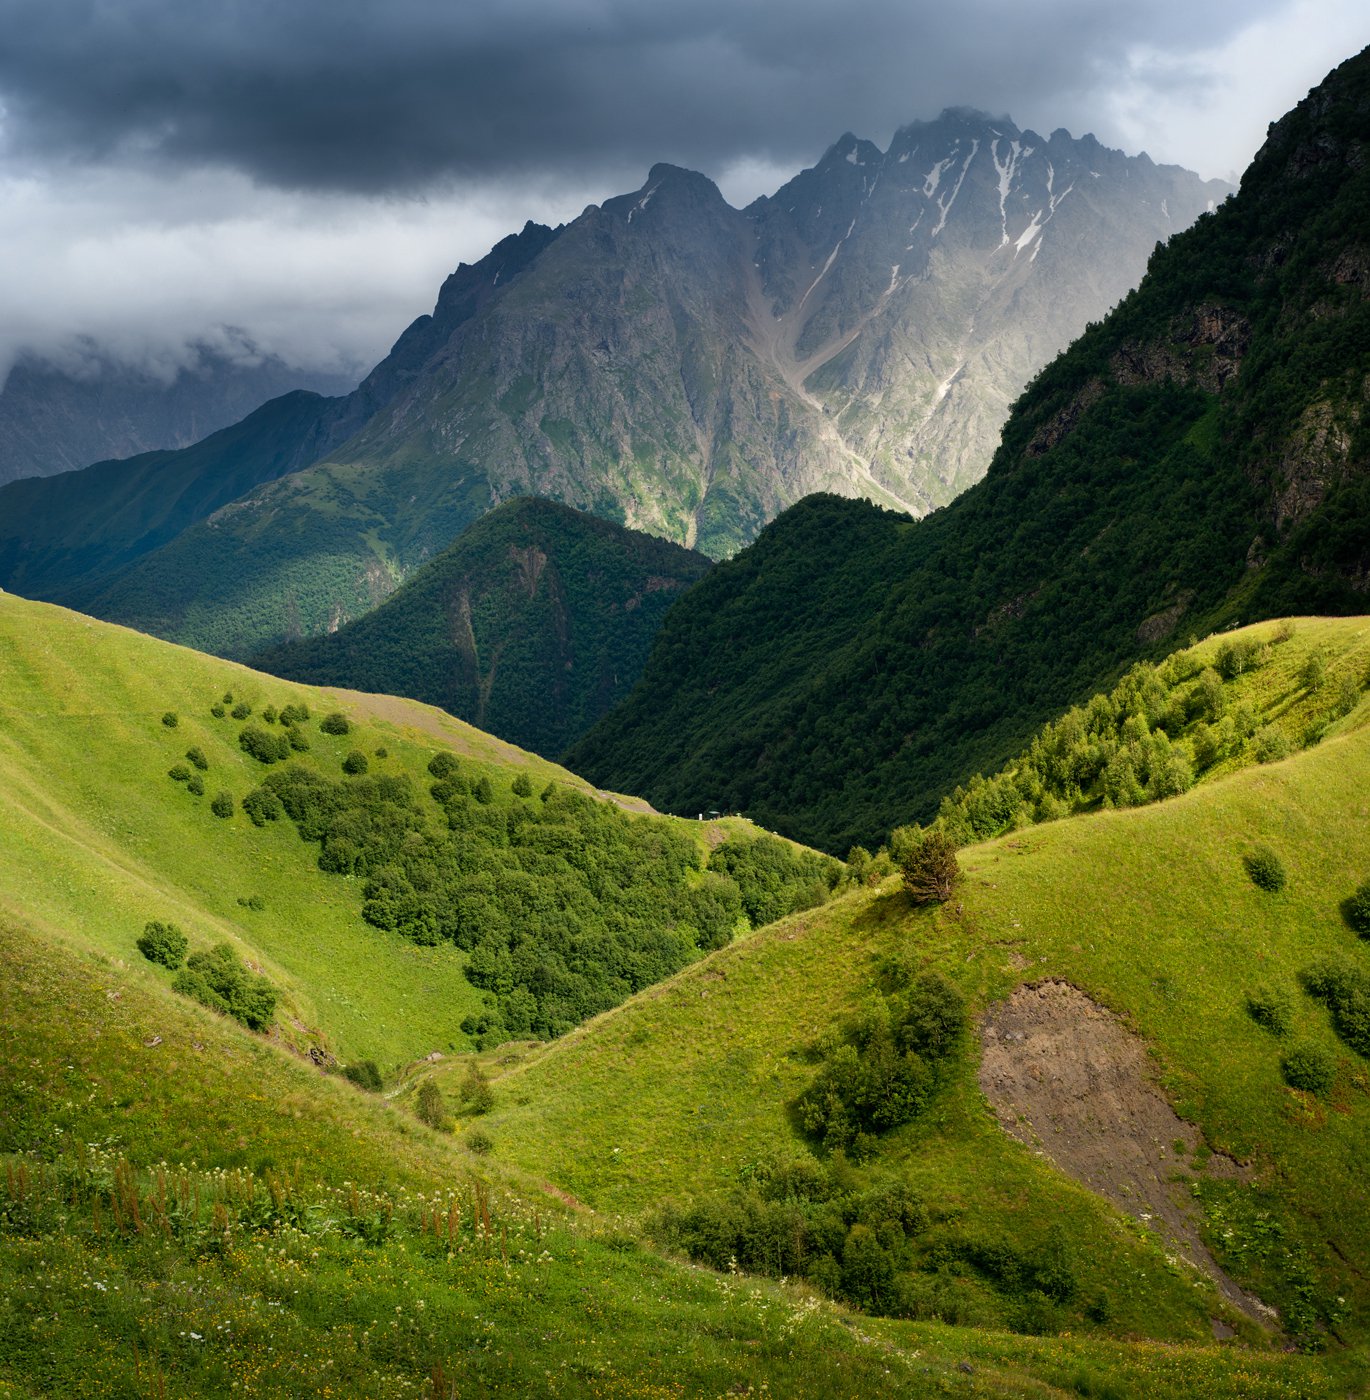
<point x="57" y="418"/>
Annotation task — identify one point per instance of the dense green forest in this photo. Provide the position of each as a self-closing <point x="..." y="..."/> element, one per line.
<point x="532" y="624"/>
<point x="1194" y="461"/>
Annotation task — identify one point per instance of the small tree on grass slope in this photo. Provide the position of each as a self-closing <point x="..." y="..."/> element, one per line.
<point x="930" y="868"/>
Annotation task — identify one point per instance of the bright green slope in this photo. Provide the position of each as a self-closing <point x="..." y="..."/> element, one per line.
<point x="97" y="840"/>
<point x="276" y="1277"/>
<point x="320" y="1279"/>
<point x="682" y="1091"/>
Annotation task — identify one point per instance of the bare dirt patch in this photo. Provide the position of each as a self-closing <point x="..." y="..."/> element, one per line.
<point x="1067" y="1078"/>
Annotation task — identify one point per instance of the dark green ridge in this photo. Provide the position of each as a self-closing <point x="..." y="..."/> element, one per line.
<point x="1197" y="459"/>
<point x="533" y="624"/>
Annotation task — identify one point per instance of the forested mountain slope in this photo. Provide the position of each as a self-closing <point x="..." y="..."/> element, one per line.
<point x="1197" y="459"/>
<point x="533" y="624"/>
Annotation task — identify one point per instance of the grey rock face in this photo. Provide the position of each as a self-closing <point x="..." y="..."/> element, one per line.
<point x="692" y="369"/>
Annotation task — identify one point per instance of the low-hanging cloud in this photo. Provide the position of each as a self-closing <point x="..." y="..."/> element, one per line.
<point x="296" y="177"/>
<point x="342" y="95"/>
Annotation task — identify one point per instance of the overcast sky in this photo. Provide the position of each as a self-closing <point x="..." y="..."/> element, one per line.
<point x="307" y="171"/>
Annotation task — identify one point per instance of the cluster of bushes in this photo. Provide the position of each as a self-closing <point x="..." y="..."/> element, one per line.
<point x="877" y="1248"/>
<point x="365" y="1074"/>
<point x="1345" y="991"/>
<point x="218" y="978"/>
<point x="1145" y="740"/>
<point x="885" y="1067"/>
<point x="1342" y="987"/>
<point x="772" y="877"/>
<point x="565" y="906"/>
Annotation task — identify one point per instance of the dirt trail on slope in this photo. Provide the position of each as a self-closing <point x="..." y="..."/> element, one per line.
<point x="1066" y="1077"/>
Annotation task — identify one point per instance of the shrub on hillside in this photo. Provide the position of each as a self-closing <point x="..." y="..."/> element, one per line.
<point x="163" y="943"/>
<point x="222" y="805"/>
<point x="476" y="1094"/>
<point x="241" y="710"/>
<point x="269" y="714"/>
<point x="218" y="978"/>
<point x="196" y="756"/>
<point x="1314" y="671"/>
<point x="262" y="805"/>
<point x="523" y="787"/>
<point x="1237" y="656"/>
<point x="196" y="785"/>
<point x="217" y="710"/>
<point x="429" y="1107"/>
<point x="1207" y="700"/>
<point x="355" y="762"/>
<point x="1272" y="1008"/>
<point x="297" y="739"/>
<point x="930" y="869"/>
<point x="1309" y="1067"/>
<point x="480" y="1142"/>
<point x="482" y="791"/>
<point x="265" y="748"/>
<point x="335" y="723"/>
<point x="178" y="773"/>
<point x="294" y="714"/>
<point x="442" y="765"/>
<point x="1345" y="991"/>
<point x="1270" y="745"/>
<point x="1265" y="868"/>
<point x="170" y="719"/>
<point x="366" y="1075"/>
<point x="1357" y="910"/>
<point x="1347" y="695"/>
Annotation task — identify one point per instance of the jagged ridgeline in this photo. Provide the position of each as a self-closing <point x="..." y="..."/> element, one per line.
<point x="533" y="624"/>
<point x="399" y="879"/>
<point x="664" y="361"/>
<point x="1197" y="459"/>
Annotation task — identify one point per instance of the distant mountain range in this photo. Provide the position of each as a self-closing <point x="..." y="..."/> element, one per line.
<point x="53" y="419"/>
<point x="1199" y="458"/>
<point x="665" y="361"/>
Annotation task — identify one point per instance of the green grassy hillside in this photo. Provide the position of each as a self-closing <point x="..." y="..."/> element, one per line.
<point x="688" y="1092"/>
<point x="99" y="838"/>
<point x="533" y="624"/>
<point x="187" y="1208"/>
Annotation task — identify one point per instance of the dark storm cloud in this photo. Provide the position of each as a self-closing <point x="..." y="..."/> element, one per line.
<point x="372" y="97"/>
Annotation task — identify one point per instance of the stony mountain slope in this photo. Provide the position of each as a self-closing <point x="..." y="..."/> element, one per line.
<point x="533" y="624"/>
<point x="53" y="420"/>
<point x="687" y="368"/>
<point x="1198" y="458"/>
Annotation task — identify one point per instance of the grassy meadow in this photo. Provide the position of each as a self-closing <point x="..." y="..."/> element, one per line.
<point x="187" y="1208"/>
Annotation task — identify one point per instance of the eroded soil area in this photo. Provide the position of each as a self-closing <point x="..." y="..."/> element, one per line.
<point x="1067" y="1078"/>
